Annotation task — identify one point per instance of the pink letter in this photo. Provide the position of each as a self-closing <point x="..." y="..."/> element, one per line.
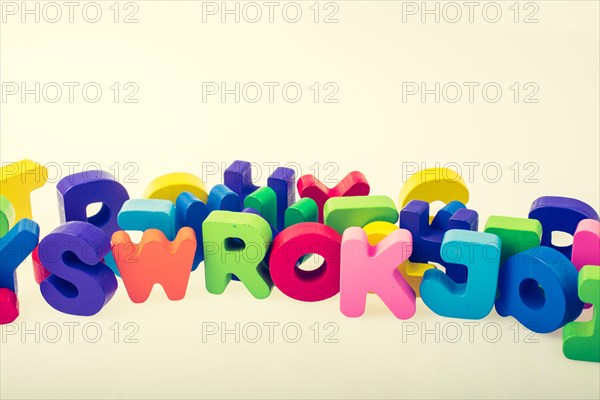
<point x="366" y="268"/>
<point x="586" y="245"/>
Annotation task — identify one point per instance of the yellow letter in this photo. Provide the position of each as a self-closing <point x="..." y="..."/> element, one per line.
<point x="18" y="180"/>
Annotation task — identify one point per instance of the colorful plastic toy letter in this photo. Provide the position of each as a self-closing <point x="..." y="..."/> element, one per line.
<point x="155" y="260"/>
<point x="80" y="283"/>
<point x="236" y="243"/>
<point x="18" y="180"/>
<point x="9" y="306"/>
<point x="560" y="214"/>
<point x="427" y="240"/>
<point x="412" y="272"/>
<point x="366" y="268"/>
<point x="143" y="214"/>
<point x="190" y="211"/>
<point x="7" y="215"/>
<point x="586" y="246"/>
<point x="581" y="340"/>
<point x="223" y="198"/>
<point x="304" y="210"/>
<point x="516" y="234"/>
<point x="40" y="273"/>
<point x="443" y="216"/>
<point x="77" y="191"/>
<point x="434" y="184"/>
<point x="264" y="201"/>
<point x="15" y="246"/>
<point x="170" y="186"/>
<point x="539" y="288"/>
<point x="344" y="212"/>
<point x="238" y="177"/>
<point x="290" y="246"/>
<point x="283" y="183"/>
<point x="474" y="299"/>
<point x="353" y="184"/>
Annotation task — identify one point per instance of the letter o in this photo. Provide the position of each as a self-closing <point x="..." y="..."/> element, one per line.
<point x="307" y="238"/>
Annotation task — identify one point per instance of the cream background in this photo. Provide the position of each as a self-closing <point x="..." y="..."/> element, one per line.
<point x="369" y="53"/>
